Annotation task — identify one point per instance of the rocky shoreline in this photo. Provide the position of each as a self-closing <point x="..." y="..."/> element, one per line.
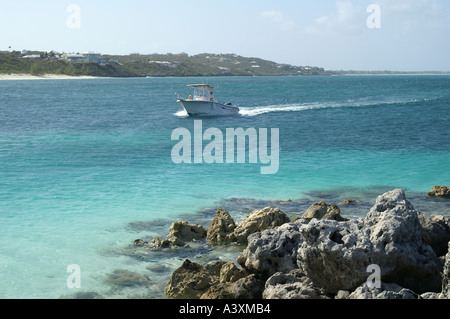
<point x="395" y="252"/>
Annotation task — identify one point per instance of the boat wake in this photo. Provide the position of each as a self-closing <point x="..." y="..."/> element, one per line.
<point x="259" y="110"/>
<point x="181" y="113"/>
<point x="298" y="107"/>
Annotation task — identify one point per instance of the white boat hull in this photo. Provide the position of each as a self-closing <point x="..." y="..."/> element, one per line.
<point x="199" y="108"/>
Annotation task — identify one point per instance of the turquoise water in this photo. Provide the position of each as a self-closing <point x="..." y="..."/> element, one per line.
<point x="86" y="167"/>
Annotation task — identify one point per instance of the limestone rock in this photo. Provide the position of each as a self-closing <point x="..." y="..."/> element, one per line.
<point x="259" y="220"/>
<point x="217" y="280"/>
<point x="436" y="232"/>
<point x="440" y="191"/>
<point x="335" y="256"/>
<point x="387" y="291"/>
<point x="446" y="276"/>
<point x="273" y="250"/>
<point x="248" y="287"/>
<point x="192" y="280"/>
<point x="221" y="230"/>
<point x="293" y="285"/>
<point x="187" y="232"/>
<point x="231" y="273"/>
<point x="179" y="234"/>
<point x="322" y="210"/>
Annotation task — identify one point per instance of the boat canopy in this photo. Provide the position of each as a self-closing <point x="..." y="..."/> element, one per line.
<point x="202" y="86"/>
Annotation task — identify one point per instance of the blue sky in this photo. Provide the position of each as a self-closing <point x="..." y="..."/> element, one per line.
<point x="413" y="35"/>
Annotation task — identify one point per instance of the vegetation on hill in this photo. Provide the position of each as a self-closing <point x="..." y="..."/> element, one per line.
<point x="153" y="65"/>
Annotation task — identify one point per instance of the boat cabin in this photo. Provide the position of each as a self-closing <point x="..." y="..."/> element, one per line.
<point x="202" y="92"/>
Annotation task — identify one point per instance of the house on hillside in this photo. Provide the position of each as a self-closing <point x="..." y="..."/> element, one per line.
<point x="83" y="57"/>
<point x="31" y="57"/>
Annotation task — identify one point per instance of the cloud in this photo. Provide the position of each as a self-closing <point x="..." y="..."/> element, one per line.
<point x="345" y="20"/>
<point x="278" y="17"/>
<point x="411" y="15"/>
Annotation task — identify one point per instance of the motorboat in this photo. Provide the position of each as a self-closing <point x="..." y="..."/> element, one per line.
<point x="202" y="102"/>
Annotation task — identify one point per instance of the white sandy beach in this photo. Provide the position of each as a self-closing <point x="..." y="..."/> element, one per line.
<point x="42" y="77"/>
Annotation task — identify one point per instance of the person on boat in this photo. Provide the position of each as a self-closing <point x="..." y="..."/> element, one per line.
<point x="211" y="96"/>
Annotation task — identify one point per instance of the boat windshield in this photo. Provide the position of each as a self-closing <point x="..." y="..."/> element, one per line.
<point x="203" y="92"/>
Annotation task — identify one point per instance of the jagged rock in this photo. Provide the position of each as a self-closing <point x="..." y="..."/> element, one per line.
<point x="192" y="280"/>
<point x="273" y="250"/>
<point x="335" y="256"/>
<point x="259" y="220"/>
<point x="187" y="232"/>
<point x="249" y="287"/>
<point x="217" y="280"/>
<point x="430" y="295"/>
<point x="221" y="230"/>
<point x="342" y="294"/>
<point x="294" y="285"/>
<point x="322" y="210"/>
<point x="231" y="273"/>
<point x="446" y="276"/>
<point x="440" y="191"/>
<point x="387" y="291"/>
<point x="436" y="232"/>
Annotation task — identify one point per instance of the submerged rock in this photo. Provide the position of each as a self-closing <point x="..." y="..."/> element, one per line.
<point x="440" y="191"/>
<point x="125" y="278"/>
<point x="350" y="202"/>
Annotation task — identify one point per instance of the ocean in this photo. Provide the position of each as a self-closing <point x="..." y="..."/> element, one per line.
<point x="86" y="168"/>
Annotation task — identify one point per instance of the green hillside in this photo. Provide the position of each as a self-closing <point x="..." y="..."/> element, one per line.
<point x="153" y="65"/>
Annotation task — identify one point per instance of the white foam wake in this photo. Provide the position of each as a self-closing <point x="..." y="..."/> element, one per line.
<point x="182" y="113"/>
<point x="254" y="111"/>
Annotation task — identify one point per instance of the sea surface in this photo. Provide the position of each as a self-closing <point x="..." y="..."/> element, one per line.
<point x="86" y="168"/>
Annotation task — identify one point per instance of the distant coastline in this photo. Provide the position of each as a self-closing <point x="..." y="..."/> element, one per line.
<point x="25" y="76"/>
<point x="43" y="77"/>
<point x="25" y="64"/>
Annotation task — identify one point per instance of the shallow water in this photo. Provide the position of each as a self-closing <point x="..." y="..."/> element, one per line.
<point x="86" y="167"/>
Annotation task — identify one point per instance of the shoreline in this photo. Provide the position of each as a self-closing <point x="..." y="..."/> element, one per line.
<point x="16" y="76"/>
<point x="26" y="76"/>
